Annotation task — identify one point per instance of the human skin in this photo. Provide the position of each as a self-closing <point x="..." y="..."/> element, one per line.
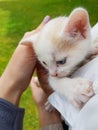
<point x="17" y="75"/>
<point x="46" y="118"/>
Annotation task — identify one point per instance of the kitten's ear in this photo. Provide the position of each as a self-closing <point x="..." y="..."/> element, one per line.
<point x="78" y="23"/>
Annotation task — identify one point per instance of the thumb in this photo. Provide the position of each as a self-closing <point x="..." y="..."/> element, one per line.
<point x="27" y="40"/>
<point x="45" y="21"/>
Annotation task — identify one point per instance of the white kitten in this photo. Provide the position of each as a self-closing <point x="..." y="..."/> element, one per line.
<point x="61" y="46"/>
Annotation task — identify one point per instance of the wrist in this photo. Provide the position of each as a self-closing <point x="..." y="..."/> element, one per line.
<point x="9" y="91"/>
<point x="47" y="118"/>
<point x="16" y="77"/>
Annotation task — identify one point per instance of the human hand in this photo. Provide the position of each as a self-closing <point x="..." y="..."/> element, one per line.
<point x="42" y="74"/>
<point x="18" y="72"/>
<point x="40" y="98"/>
<point x="26" y="40"/>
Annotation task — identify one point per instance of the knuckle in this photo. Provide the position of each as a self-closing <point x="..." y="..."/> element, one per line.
<point x="27" y="33"/>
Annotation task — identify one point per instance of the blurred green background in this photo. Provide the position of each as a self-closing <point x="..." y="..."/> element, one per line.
<point x="19" y="16"/>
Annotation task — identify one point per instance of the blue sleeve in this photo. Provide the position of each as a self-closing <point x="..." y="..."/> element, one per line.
<point x="11" y="117"/>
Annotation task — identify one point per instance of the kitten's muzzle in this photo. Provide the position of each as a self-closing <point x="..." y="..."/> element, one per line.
<point x="57" y="75"/>
<point x="54" y="75"/>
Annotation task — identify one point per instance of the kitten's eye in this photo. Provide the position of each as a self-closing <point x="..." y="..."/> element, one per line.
<point x="61" y="62"/>
<point x="44" y="63"/>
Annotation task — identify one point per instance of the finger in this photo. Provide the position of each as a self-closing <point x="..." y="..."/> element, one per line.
<point x="34" y="83"/>
<point x="45" y="21"/>
<point x="77" y="103"/>
<point x="83" y="98"/>
<point x="24" y="41"/>
<point x="42" y="74"/>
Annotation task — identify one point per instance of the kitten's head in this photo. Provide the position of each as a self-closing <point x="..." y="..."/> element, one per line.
<point x="64" y="42"/>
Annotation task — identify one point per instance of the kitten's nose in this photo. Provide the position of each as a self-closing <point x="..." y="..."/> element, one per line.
<point x="54" y="74"/>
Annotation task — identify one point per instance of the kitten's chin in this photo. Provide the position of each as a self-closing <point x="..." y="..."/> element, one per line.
<point x="62" y="75"/>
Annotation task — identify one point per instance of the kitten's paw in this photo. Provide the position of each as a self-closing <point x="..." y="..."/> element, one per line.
<point x="82" y="92"/>
<point x="94" y="50"/>
<point x="49" y="107"/>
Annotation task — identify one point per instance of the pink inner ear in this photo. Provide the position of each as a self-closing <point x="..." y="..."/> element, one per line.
<point x="78" y="23"/>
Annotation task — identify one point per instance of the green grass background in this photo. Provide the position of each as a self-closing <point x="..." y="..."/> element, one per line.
<point x="19" y="16"/>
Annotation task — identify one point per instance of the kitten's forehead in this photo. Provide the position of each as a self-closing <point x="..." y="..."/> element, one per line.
<point x="51" y="35"/>
<point x="54" y="28"/>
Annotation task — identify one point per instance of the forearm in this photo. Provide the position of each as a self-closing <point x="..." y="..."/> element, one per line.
<point x="8" y="91"/>
<point x="17" y="74"/>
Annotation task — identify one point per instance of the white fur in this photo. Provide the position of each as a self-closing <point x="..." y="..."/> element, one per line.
<point x="76" y="90"/>
<point x="47" y="47"/>
<point x="46" y="50"/>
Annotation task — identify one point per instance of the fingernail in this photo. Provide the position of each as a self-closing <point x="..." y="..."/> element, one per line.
<point x="35" y="79"/>
<point x="46" y="19"/>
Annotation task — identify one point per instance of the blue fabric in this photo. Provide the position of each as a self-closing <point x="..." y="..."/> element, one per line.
<point x="11" y="117"/>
